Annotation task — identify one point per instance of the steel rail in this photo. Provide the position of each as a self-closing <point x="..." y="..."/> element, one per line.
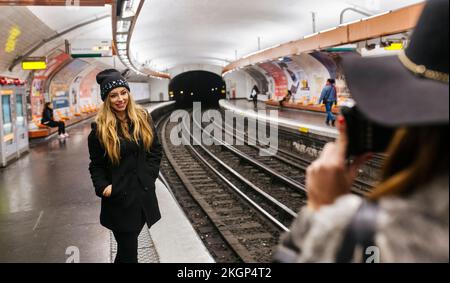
<point x="244" y="180"/>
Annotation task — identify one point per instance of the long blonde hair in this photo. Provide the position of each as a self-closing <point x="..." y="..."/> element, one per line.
<point x="415" y="157"/>
<point x="108" y="128"/>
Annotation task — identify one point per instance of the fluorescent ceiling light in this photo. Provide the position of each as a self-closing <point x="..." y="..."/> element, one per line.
<point x="311" y="35"/>
<point x="123" y="26"/>
<point x="121" y="46"/>
<point x="122" y="37"/>
<point x="260" y="51"/>
<point x="130" y="8"/>
<point x="377" y="15"/>
<point x="327" y="30"/>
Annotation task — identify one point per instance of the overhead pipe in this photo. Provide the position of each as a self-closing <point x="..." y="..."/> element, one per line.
<point x="394" y="22"/>
<point x="47" y="40"/>
<point x="313" y="14"/>
<point x="341" y="21"/>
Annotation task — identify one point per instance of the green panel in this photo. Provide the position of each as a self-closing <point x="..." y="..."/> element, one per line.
<point x="341" y="49"/>
<point x="86" y="55"/>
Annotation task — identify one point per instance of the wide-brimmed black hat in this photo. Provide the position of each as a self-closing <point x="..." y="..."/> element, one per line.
<point x="410" y="89"/>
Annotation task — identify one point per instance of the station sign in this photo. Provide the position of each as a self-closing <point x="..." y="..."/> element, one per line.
<point x="34" y="63"/>
<point x="82" y="48"/>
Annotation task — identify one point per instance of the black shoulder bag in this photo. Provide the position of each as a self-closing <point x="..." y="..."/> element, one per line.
<point x="360" y="233"/>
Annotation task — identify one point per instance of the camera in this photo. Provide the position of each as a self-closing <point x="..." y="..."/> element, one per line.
<point x="363" y="135"/>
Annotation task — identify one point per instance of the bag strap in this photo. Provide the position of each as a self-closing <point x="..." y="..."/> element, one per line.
<point x="328" y="94"/>
<point x="360" y="232"/>
<point x="335" y="92"/>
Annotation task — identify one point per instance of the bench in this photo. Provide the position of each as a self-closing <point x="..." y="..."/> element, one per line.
<point x="301" y="106"/>
<point x="43" y="131"/>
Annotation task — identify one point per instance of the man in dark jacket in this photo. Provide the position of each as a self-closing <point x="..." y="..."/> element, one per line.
<point x="255" y="92"/>
<point x="329" y="98"/>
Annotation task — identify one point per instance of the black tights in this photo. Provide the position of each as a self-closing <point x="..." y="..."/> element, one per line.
<point x="61" y="126"/>
<point x="127" y="245"/>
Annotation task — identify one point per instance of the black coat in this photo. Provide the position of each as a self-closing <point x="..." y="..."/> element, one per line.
<point x="47" y="115"/>
<point x="133" y="183"/>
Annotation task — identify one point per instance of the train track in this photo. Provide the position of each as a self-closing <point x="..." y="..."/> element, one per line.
<point x="290" y="141"/>
<point x="371" y="168"/>
<point x="238" y="201"/>
<point x="289" y="165"/>
<point x="247" y="220"/>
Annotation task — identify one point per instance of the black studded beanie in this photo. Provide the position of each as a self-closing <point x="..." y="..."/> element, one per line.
<point x="110" y="79"/>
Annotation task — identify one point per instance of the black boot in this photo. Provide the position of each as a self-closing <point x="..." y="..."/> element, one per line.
<point x="327" y="123"/>
<point x="332" y="123"/>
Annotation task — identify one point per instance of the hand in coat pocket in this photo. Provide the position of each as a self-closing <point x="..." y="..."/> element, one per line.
<point x="107" y="191"/>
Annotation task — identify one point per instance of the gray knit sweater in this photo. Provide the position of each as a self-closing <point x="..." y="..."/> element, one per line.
<point x="412" y="229"/>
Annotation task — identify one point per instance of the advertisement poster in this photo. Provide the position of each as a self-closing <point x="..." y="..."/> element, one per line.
<point x="60" y="85"/>
<point x="89" y="92"/>
<point x="75" y="89"/>
<point x="297" y="79"/>
<point x="313" y="76"/>
<point x="38" y="94"/>
<point x="260" y="79"/>
<point x="326" y="60"/>
<point x="332" y="61"/>
<point x="281" y="82"/>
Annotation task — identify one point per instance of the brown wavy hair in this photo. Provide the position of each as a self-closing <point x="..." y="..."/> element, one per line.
<point x="109" y="128"/>
<point x="415" y="156"/>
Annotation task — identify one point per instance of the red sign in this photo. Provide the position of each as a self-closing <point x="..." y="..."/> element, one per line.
<point x="281" y="83"/>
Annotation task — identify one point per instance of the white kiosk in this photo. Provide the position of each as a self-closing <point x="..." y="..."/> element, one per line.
<point x="13" y="121"/>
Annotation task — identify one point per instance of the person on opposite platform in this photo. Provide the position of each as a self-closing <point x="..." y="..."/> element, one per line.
<point x="254" y="96"/>
<point x="329" y="98"/>
<point x="48" y="120"/>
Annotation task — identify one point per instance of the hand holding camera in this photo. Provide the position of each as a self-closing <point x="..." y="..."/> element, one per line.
<point x="333" y="173"/>
<point x="364" y="135"/>
<point x="329" y="177"/>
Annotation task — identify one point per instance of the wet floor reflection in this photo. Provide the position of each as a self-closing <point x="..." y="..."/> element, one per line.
<point x="47" y="203"/>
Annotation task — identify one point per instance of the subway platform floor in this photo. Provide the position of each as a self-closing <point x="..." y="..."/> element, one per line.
<point x="50" y="213"/>
<point x="302" y="120"/>
<point x="47" y="204"/>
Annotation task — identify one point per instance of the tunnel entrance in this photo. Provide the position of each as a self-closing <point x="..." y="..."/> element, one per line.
<point x="197" y="86"/>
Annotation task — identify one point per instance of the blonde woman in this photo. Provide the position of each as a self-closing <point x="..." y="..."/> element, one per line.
<point x="125" y="157"/>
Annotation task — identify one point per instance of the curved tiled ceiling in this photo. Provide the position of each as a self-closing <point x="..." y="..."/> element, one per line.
<point x="62" y="18"/>
<point x="175" y="32"/>
<point x="27" y="33"/>
<point x="37" y="23"/>
<point x="170" y="33"/>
